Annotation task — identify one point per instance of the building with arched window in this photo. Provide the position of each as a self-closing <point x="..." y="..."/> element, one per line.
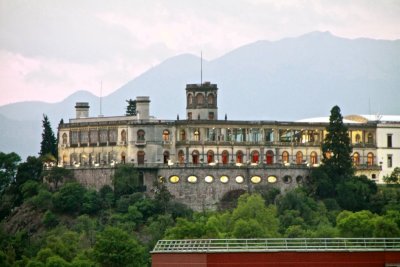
<point x="235" y="153"/>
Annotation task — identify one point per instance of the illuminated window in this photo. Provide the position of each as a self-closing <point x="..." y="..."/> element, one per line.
<point x="174" y="179"/>
<point x="225" y="157"/>
<point x="255" y="179"/>
<point x="181" y="156"/>
<point x="209" y="179"/>
<point x="196" y="135"/>
<point x="210" y="156"/>
<point x="165" y="135"/>
<point x="356" y="159"/>
<point x="299" y="157"/>
<point x="285" y="157"/>
<point x="239" y="179"/>
<point x="272" y="179"/>
<point x="255" y="157"/>
<point x="224" y="179"/>
<point x="370" y="159"/>
<point x="358" y="138"/>
<point x="269" y="157"/>
<point x="239" y="157"/>
<point x="192" y="179"/>
<point x="313" y="158"/>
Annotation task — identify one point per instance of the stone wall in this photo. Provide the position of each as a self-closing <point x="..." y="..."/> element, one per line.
<point x="200" y="195"/>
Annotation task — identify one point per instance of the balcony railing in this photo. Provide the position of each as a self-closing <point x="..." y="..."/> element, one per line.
<point x="277" y="244"/>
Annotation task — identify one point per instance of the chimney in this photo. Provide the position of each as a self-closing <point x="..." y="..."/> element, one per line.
<point x="82" y="110"/>
<point x="143" y="107"/>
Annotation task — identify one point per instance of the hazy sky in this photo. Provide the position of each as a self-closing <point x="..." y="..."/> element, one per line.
<point x="50" y="49"/>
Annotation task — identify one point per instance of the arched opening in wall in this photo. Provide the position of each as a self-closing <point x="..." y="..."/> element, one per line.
<point x="358" y="138"/>
<point x="199" y="99"/>
<point x="225" y="157"/>
<point x="182" y="135"/>
<point x="285" y="157"/>
<point x="140" y="157"/>
<point x="373" y="176"/>
<point x="64" y="139"/>
<point x="64" y="159"/>
<point x="299" y="179"/>
<point x="370" y="159"/>
<point x="299" y="157"/>
<point x="313" y="158"/>
<point x="181" y="157"/>
<point x="356" y="159"/>
<point x="287" y="179"/>
<point x="141" y="135"/>
<point x="123" y="157"/>
<point x="269" y="157"/>
<point x="195" y="157"/>
<point x="123" y="136"/>
<point x="210" y="156"/>
<point x="189" y="99"/>
<point x="165" y="135"/>
<point x="239" y="157"/>
<point x="255" y="156"/>
<point x="196" y="135"/>
<point x="210" y="99"/>
<point x="370" y="138"/>
<point x="229" y="199"/>
<point x="166" y="157"/>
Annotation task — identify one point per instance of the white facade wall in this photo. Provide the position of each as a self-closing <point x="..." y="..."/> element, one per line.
<point x="384" y="151"/>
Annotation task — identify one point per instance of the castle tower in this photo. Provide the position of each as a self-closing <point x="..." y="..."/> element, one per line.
<point x="201" y="101"/>
<point x="82" y="110"/>
<point x="143" y="107"/>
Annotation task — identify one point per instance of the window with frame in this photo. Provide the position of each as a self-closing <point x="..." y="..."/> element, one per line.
<point x="389" y="140"/>
<point x="356" y="159"/>
<point x="182" y="135"/>
<point x="190" y="99"/>
<point x="93" y="136"/>
<point x="389" y="161"/>
<point x="225" y="157"/>
<point x="255" y="156"/>
<point x="299" y="157"/>
<point x="181" y="157"/>
<point x="239" y="157"/>
<point x="285" y="157"/>
<point x="113" y="134"/>
<point x="84" y="137"/>
<point x="74" y="137"/>
<point x="195" y="157"/>
<point x="64" y="139"/>
<point x="210" y="156"/>
<point x="269" y="157"/>
<point x="370" y="138"/>
<point x="210" y="99"/>
<point x="123" y="136"/>
<point x="141" y="135"/>
<point x="103" y="133"/>
<point x="211" y="115"/>
<point x="165" y="135"/>
<point x="370" y="159"/>
<point x="196" y="135"/>
<point x="314" y="158"/>
<point x="200" y="99"/>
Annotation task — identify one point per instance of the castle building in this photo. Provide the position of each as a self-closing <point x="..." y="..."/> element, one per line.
<point x="203" y="149"/>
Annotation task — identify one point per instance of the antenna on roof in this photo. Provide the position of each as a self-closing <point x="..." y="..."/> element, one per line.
<point x="101" y="98"/>
<point x="201" y="67"/>
<point x="369" y="106"/>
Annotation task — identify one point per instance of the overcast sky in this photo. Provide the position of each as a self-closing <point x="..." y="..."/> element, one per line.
<point x="50" y="49"/>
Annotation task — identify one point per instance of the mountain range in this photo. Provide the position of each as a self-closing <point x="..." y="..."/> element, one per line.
<point x="289" y="79"/>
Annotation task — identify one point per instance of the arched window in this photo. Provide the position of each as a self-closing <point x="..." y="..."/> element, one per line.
<point x="299" y="157"/>
<point x="370" y="138"/>
<point x="210" y="99"/>
<point x="140" y="135"/>
<point x="358" y="138"/>
<point x="313" y="158"/>
<point x="64" y="139"/>
<point x="196" y="135"/>
<point x="190" y="99"/>
<point x="195" y="157"/>
<point x="140" y="157"/>
<point x="285" y="157"/>
<point x="210" y="156"/>
<point x="181" y="157"/>
<point x="255" y="156"/>
<point x="123" y="136"/>
<point x="165" y="135"/>
<point x="200" y="99"/>
<point x="370" y="159"/>
<point x="356" y="159"/>
<point x="269" y="157"/>
<point x="166" y="157"/>
<point x="225" y="157"/>
<point x="182" y="135"/>
<point x="239" y="157"/>
<point x="123" y="156"/>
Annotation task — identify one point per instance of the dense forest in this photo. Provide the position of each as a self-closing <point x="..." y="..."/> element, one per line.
<point x="48" y="219"/>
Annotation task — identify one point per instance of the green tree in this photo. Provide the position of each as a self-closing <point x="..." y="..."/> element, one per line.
<point x="70" y="198"/>
<point x="357" y="224"/>
<point x="57" y="175"/>
<point x="126" y="180"/>
<point x="393" y="178"/>
<point x="385" y="227"/>
<point x="8" y="169"/>
<point x="49" y="219"/>
<point x="336" y="148"/>
<point x="49" y="141"/>
<point x="31" y="169"/>
<point x="114" y="247"/>
<point x="131" y="108"/>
